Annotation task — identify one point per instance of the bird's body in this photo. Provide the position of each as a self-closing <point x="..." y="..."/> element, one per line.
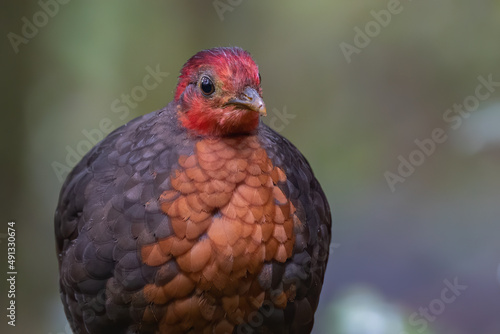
<point x="176" y="223"/>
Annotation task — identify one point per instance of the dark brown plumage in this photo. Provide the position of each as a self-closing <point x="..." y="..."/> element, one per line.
<point x="196" y="218"/>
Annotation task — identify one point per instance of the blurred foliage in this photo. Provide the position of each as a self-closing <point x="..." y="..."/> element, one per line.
<point x="352" y="121"/>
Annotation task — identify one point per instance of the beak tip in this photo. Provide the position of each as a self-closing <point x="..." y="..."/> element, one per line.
<point x="263" y="110"/>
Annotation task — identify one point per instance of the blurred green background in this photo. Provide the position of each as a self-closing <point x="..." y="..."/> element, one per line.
<point x="394" y="252"/>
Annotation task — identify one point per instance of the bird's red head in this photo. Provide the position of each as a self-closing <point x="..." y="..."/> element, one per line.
<point x="219" y="93"/>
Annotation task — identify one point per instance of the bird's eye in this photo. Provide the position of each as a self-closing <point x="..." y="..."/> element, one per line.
<point x="207" y="86"/>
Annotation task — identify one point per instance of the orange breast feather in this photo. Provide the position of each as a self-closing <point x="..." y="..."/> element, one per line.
<point x="229" y="217"/>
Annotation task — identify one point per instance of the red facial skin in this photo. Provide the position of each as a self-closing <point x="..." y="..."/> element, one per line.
<point x="232" y="70"/>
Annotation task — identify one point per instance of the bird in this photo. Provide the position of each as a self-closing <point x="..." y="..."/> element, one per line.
<point x="196" y="218"/>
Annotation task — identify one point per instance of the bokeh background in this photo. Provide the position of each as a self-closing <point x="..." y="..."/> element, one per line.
<point x="394" y="249"/>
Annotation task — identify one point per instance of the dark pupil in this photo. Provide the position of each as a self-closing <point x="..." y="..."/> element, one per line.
<point x="207" y="86"/>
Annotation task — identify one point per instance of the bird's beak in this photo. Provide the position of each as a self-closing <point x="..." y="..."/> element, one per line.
<point x="249" y="99"/>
